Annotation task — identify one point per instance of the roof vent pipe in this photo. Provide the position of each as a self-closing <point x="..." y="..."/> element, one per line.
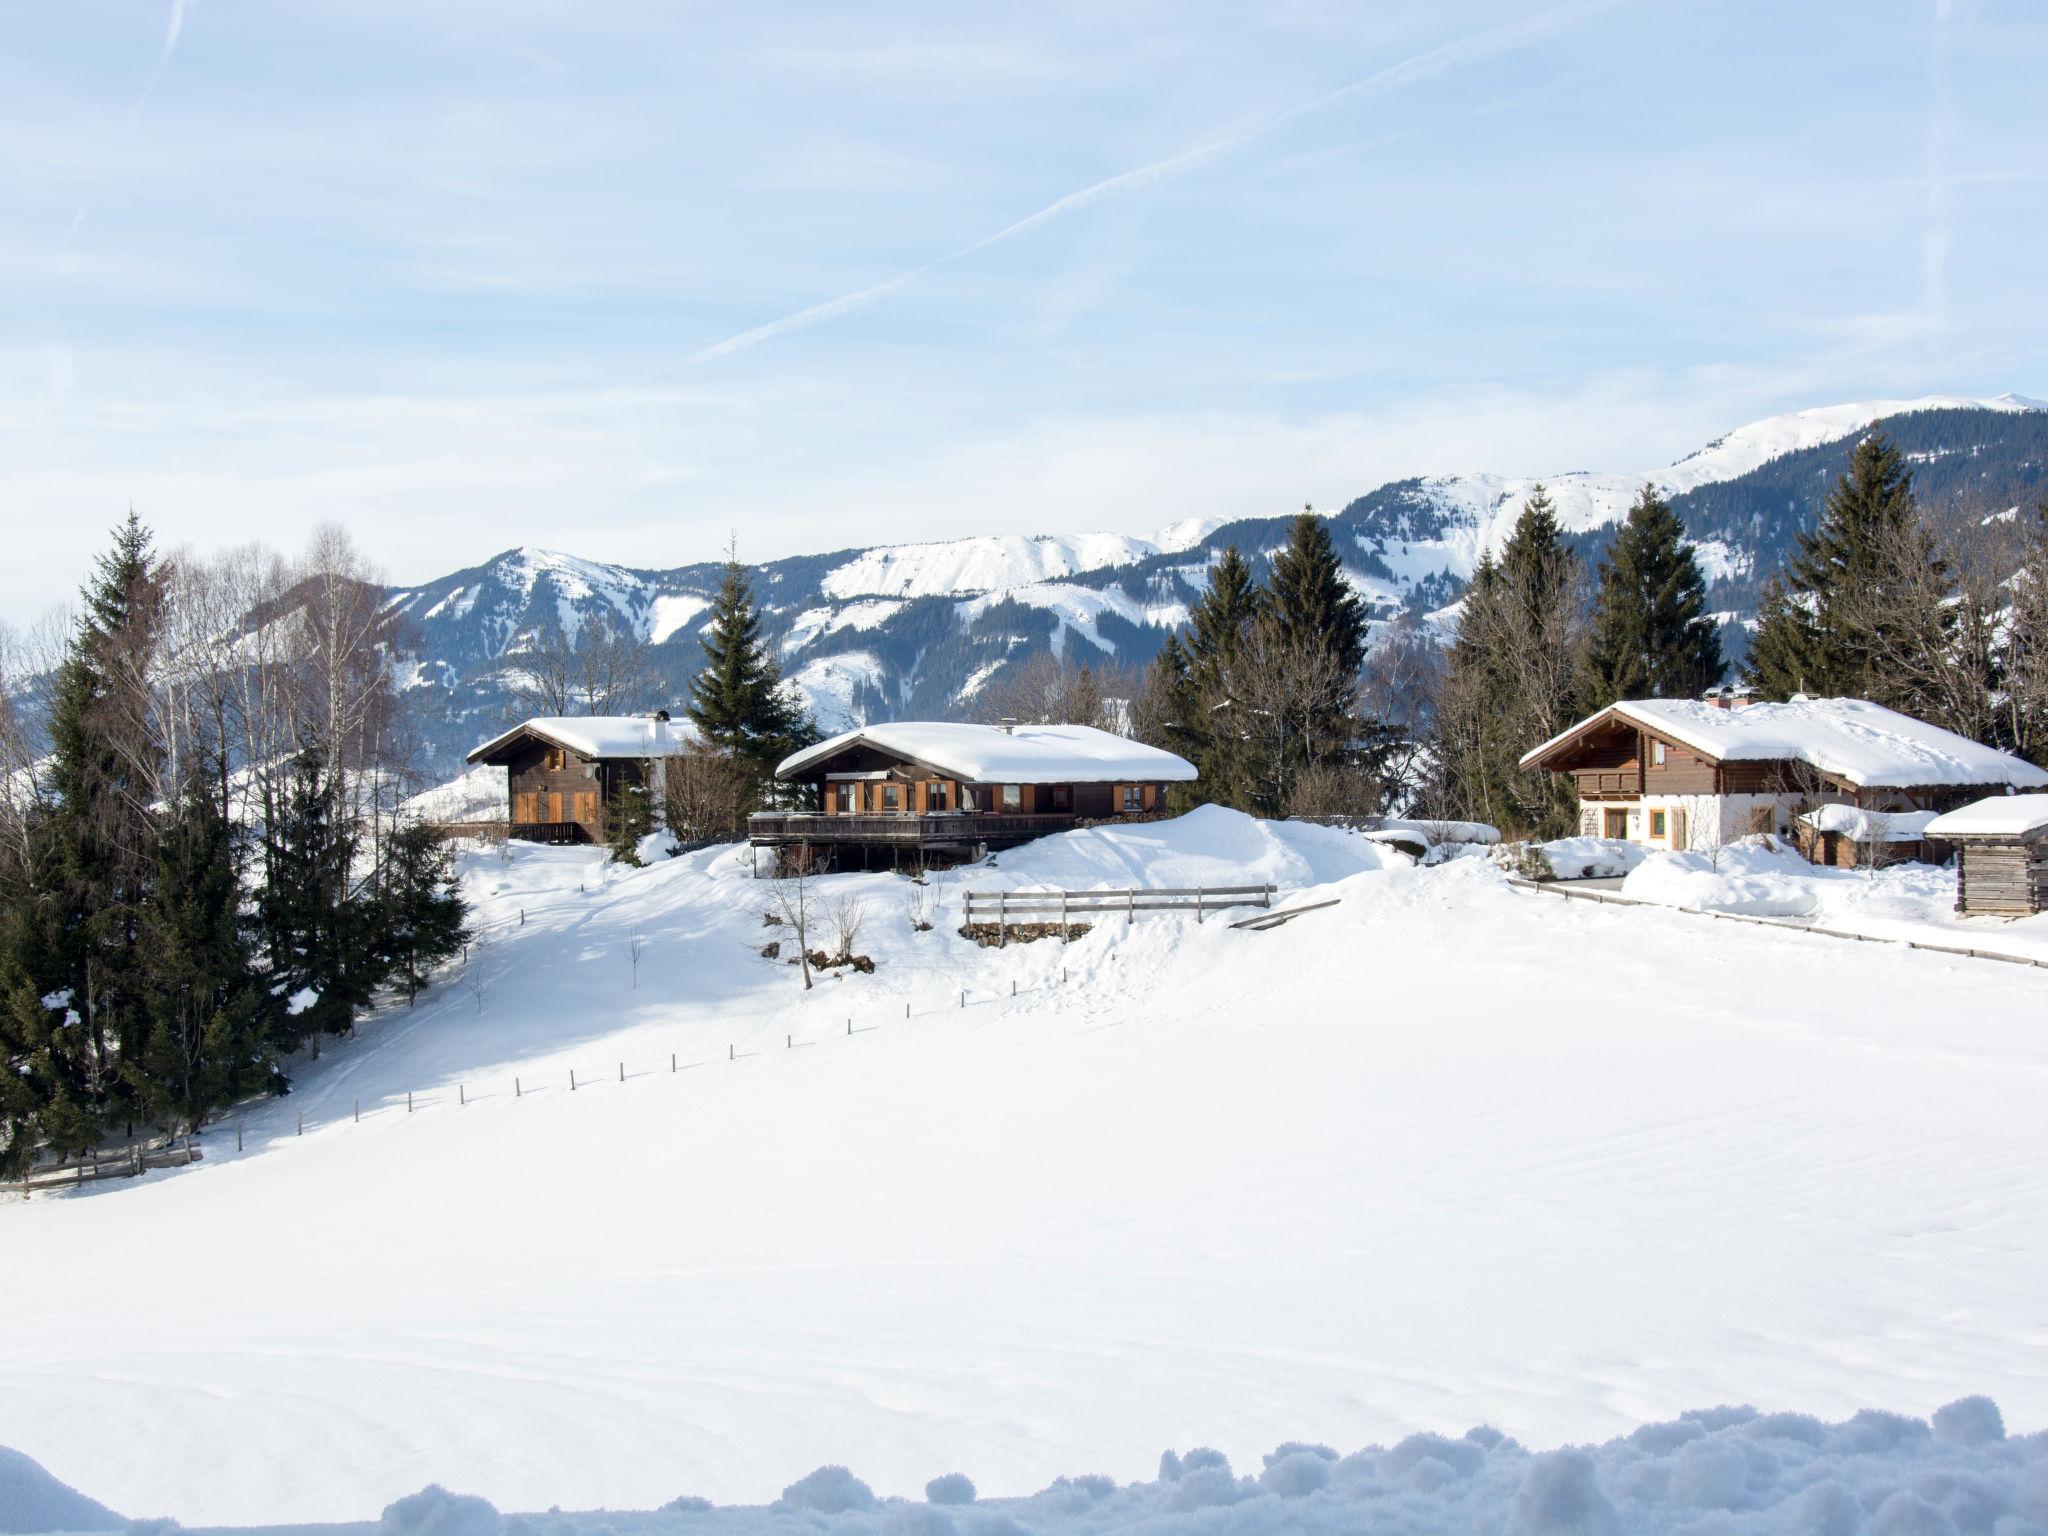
<point x="1009" y="723"/>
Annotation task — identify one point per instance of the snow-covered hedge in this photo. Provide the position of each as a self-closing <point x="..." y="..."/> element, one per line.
<point x="1761" y="876"/>
<point x="1573" y="858"/>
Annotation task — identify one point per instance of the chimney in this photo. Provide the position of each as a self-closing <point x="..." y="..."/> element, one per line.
<point x="1740" y="698"/>
<point x="659" y="717"/>
<point x="1009" y="723"/>
<point x="1716" y="698"/>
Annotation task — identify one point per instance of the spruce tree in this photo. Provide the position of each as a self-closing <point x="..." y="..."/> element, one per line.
<point x="1219" y="628"/>
<point x="1833" y="622"/>
<point x="628" y="817"/>
<point x="737" y="701"/>
<point x="211" y="1013"/>
<point x="1650" y="637"/>
<point x="1513" y="680"/>
<point x="319" y="928"/>
<point x="103" y="780"/>
<point x="1308" y="600"/>
<point x="422" y="918"/>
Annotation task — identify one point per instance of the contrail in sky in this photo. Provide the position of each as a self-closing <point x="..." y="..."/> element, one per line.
<point x="163" y="57"/>
<point x="1422" y="66"/>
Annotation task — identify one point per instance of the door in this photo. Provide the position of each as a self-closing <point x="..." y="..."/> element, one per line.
<point x="1680" y="832"/>
<point x="1615" y="824"/>
<point x="586" y="806"/>
<point x="554" y="805"/>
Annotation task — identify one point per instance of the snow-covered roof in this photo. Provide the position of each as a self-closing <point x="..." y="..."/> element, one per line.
<point x="990" y="754"/>
<point x="1862" y="826"/>
<point x="1852" y="740"/>
<point x="1999" y="816"/>
<point x="600" y="735"/>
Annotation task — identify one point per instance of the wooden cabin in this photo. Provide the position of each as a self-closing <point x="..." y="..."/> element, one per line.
<point x="923" y="788"/>
<point x="562" y="771"/>
<point x="2001" y="854"/>
<point x="1683" y="774"/>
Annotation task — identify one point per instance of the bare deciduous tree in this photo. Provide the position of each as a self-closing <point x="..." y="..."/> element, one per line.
<point x="846" y="915"/>
<point x="601" y="668"/>
<point x="1048" y="689"/>
<point x="793" y="903"/>
<point x="707" y="794"/>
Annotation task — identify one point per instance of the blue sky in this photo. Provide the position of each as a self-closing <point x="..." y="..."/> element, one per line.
<point x="627" y="278"/>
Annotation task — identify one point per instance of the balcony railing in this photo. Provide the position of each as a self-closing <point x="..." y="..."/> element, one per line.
<point x="953" y="827"/>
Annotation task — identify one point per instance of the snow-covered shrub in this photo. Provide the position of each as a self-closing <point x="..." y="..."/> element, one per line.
<point x="1561" y="1497"/>
<point x="1464" y="1457"/>
<point x="1708" y="1474"/>
<point x="434" y="1511"/>
<point x="831" y="1490"/>
<point x="1907" y="1514"/>
<point x="1525" y="861"/>
<point x="1296" y="1474"/>
<point x="919" y="1520"/>
<point x="1969" y="1421"/>
<point x="950" y="1488"/>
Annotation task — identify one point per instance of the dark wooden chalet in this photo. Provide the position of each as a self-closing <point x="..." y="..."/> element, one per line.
<point x="562" y="771"/>
<point x="925" y="788"/>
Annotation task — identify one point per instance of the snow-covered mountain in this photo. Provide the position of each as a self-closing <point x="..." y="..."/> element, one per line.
<point x="922" y="628"/>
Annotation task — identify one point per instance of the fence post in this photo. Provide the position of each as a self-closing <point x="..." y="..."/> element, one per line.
<point x="302" y="1122"/>
<point x="515" y="1088"/>
<point x="359" y="1111"/>
<point x="1064" y="936"/>
<point x="906" y="1010"/>
<point x="622" y="1071"/>
<point x="671" y="1061"/>
<point x="408" y="1101"/>
<point x="729" y="1051"/>
<point x="461" y="1094"/>
<point x="1013" y="986"/>
<point x="1198" y="903"/>
<point x="238" y="1138"/>
<point x="572" y="1079"/>
<point x="1002" y="917"/>
<point x="1130" y="908"/>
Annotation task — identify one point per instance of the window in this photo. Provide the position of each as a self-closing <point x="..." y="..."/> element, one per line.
<point x="892" y="797"/>
<point x="1657" y="824"/>
<point x="849" y="799"/>
<point x="1062" y="797"/>
<point x="935" y="795"/>
<point x="1134" y="798"/>
<point x="1657" y="753"/>
<point x="1013" y="797"/>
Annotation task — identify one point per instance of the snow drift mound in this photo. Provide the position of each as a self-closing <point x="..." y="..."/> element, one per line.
<point x="1712" y="1472"/>
<point x="1761" y="877"/>
<point x="1209" y="846"/>
<point x="32" y="1500"/>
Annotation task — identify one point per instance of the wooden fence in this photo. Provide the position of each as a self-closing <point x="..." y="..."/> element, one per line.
<point x="1007" y="909"/>
<point x="109" y="1165"/>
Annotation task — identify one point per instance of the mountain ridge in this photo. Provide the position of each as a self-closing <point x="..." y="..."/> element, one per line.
<point x="920" y="629"/>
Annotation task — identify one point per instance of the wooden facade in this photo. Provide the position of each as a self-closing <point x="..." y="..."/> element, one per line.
<point x="868" y="801"/>
<point x="559" y="792"/>
<point x="2005" y="875"/>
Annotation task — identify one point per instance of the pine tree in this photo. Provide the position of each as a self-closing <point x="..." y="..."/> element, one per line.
<point x="211" y="1013"/>
<point x="737" y="701"/>
<point x="103" y="780"/>
<point x="1513" y="680"/>
<point x="628" y="817"/>
<point x="1308" y="600"/>
<point x="1836" y="620"/>
<point x="1220" y="627"/>
<point x="422" y="919"/>
<point x="1651" y="637"/>
<point x="319" y="928"/>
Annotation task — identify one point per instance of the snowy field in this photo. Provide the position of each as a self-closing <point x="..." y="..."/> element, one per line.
<point x="1446" y="1154"/>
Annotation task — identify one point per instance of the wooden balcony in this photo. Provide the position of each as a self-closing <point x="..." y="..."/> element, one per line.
<point x="1609" y="783"/>
<point x="949" y="829"/>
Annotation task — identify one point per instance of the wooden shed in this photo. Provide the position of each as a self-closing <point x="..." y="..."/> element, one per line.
<point x="2001" y="854"/>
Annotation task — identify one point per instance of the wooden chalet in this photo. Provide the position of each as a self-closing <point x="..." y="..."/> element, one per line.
<point x="1695" y="773"/>
<point x="944" y="788"/>
<point x="562" y="771"/>
<point x="2001" y="848"/>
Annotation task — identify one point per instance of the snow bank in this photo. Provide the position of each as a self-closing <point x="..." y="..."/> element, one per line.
<point x="1859" y="825"/>
<point x="1591" y="858"/>
<point x="1209" y="846"/>
<point x="1762" y="877"/>
<point x="1712" y="1472"/>
<point x="32" y="1500"/>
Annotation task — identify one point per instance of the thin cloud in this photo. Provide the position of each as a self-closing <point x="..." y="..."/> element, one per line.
<point x="172" y="28"/>
<point x="1422" y="66"/>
